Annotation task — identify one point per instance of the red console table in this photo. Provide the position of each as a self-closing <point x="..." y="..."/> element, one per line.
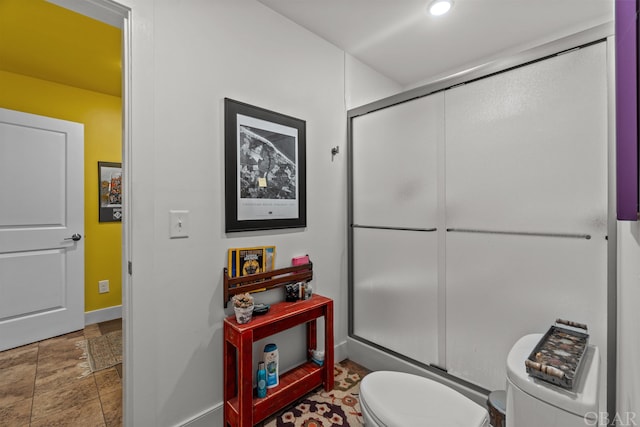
<point x="241" y="407"/>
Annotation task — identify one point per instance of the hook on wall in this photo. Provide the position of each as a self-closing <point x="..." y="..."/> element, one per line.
<point x="335" y="150"/>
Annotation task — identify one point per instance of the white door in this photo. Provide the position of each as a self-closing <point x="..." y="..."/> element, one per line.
<point x="41" y="220"/>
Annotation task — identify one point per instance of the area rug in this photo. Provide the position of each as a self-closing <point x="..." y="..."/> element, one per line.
<point x="101" y="352"/>
<point x="339" y="407"/>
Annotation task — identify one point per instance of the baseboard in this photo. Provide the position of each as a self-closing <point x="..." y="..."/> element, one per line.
<point x="340" y="352"/>
<point x="102" y="315"/>
<point x="378" y="360"/>
<point x="207" y="418"/>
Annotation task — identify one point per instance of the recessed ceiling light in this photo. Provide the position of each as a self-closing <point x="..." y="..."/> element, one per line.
<point x="440" y="7"/>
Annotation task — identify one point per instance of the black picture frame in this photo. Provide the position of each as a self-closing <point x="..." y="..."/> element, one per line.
<point x="109" y="192"/>
<point x="265" y="169"/>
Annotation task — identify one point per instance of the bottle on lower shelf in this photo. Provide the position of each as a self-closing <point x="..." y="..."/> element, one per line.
<point x="317" y="357"/>
<point x="271" y="361"/>
<point x="262" y="380"/>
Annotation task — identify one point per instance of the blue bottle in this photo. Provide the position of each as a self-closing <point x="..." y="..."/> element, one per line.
<point x="271" y="360"/>
<point x="262" y="380"/>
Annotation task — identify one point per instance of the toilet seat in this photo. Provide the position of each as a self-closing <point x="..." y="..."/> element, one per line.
<point x="400" y="399"/>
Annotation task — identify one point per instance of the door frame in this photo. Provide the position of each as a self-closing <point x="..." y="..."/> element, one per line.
<point x="127" y="296"/>
<point x="119" y="15"/>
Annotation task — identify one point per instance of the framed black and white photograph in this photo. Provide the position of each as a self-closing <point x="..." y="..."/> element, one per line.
<point x="265" y="169"/>
<point x="109" y="192"/>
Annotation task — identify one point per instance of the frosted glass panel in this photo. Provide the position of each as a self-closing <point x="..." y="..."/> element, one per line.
<point x="522" y="151"/>
<point x="396" y="291"/>
<point x="526" y="150"/>
<point x="500" y="288"/>
<point x="395" y="164"/>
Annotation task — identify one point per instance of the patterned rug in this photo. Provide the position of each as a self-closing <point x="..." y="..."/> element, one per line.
<point x="101" y="352"/>
<point x="340" y="407"/>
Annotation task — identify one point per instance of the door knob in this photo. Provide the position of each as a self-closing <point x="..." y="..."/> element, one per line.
<point x="75" y="237"/>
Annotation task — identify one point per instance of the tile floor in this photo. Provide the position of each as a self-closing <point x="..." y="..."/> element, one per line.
<point x="41" y="384"/>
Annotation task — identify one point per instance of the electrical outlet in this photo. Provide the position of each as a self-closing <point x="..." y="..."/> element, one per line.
<point x="103" y="286"/>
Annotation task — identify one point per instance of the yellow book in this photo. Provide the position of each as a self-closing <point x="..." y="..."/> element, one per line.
<point x="245" y="261"/>
<point x="250" y="261"/>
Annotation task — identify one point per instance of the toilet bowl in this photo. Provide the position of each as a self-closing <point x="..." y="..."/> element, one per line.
<point x="398" y="399"/>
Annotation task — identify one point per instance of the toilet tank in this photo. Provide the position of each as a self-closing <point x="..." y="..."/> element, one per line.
<point x="532" y="402"/>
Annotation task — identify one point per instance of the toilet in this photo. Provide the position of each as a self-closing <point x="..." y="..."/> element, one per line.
<point x="398" y="399"/>
<point x="533" y="402"/>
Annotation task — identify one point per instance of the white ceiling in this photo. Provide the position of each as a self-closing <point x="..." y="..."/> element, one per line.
<point x="396" y="37"/>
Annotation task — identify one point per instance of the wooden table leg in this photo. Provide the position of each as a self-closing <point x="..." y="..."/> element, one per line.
<point x="312" y="336"/>
<point x="230" y="370"/>
<point x="245" y="376"/>
<point x="328" y="347"/>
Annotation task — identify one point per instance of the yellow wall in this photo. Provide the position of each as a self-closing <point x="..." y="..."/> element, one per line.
<point x="102" y="118"/>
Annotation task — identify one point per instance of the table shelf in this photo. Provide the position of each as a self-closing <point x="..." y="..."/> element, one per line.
<point x="241" y="406"/>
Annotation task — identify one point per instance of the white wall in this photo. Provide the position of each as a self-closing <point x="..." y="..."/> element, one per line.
<point x="365" y="85"/>
<point x="628" y="322"/>
<point x="186" y="58"/>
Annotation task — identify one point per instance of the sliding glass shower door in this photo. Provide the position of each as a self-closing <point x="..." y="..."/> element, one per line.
<point x="395" y="227"/>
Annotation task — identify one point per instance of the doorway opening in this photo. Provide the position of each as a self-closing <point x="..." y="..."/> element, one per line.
<point x="117" y="15"/>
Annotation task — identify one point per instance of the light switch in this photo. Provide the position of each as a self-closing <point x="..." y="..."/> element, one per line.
<point x="179" y="224"/>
